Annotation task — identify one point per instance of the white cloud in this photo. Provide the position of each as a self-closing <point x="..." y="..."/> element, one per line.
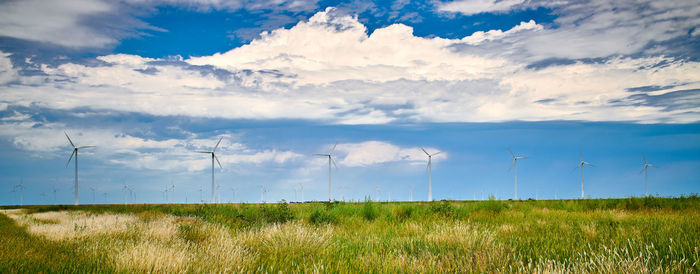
<point x="47" y="140"/>
<point x="377" y="152"/>
<point x="331" y="47"/>
<point x="328" y="69"/>
<point x="470" y="7"/>
<point x="57" y="22"/>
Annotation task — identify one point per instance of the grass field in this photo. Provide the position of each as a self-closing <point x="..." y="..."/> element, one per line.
<point x="633" y="235"/>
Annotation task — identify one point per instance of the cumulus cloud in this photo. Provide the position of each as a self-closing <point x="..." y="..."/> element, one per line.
<point x="57" y="22"/>
<point x="470" y="7"/>
<point x="377" y="152"/>
<point x="329" y="69"/>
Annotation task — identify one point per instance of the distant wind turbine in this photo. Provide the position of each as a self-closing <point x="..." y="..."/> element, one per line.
<point x="213" y="157"/>
<point x="54" y="194"/>
<point x="75" y="152"/>
<point x="411" y="194"/>
<point x="301" y="186"/>
<point x="127" y="192"/>
<point x="514" y="166"/>
<point x="379" y="193"/>
<point x="581" y="164"/>
<point x="644" y="169"/>
<point x="430" y="176"/>
<point x="93" y="194"/>
<point x="20" y="187"/>
<point x="262" y="193"/>
<point x="330" y="159"/>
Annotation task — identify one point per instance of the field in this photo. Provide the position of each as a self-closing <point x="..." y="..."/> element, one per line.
<point x="632" y="235"/>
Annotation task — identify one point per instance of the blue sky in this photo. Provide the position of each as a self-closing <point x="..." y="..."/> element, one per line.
<point x="149" y="82"/>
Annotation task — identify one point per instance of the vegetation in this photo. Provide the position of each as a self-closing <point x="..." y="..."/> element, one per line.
<point x="602" y="235"/>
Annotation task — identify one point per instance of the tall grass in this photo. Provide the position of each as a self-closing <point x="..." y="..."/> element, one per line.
<point x="609" y="235"/>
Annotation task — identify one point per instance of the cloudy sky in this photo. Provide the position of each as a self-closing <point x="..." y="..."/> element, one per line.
<point x="151" y="81"/>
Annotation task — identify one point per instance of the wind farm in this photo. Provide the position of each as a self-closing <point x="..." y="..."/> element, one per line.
<point x="349" y="136"/>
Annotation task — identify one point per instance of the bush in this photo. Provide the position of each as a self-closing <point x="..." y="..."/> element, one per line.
<point x="320" y="216"/>
<point x="404" y="212"/>
<point x="277" y="214"/>
<point x="370" y="210"/>
<point x="443" y="208"/>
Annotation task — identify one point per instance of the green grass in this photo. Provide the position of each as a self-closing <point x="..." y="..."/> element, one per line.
<point x="23" y="253"/>
<point x="595" y="235"/>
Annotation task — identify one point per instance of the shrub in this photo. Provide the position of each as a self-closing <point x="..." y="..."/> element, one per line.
<point x="370" y="210"/>
<point x="404" y="212"/>
<point x="320" y="216"/>
<point x="442" y="208"/>
<point x="278" y="214"/>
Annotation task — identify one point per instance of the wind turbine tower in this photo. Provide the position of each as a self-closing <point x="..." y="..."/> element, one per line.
<point x="75" y="152"/>
<point x="93" y="194"/>
<point x="514" y="166"/>
<point x="301" y="186"/>
<point x="330" y="160"/>
<point x="581" y="164"/>
<point x="430" y="178"/>
<point x="213" y="157"/>
<point x="646" y="180"/>
<point x="21" y="190"/>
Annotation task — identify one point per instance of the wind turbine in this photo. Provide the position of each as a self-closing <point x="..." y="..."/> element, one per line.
<point x="75" y="152"/>
<point x="125" y="189"/>
<point x="201" y="200"/>
<point x="515" y="170"/>
<point x="21" y="190"/>
<point x="54" y="193"/>
<point x="213" y="157"/>
<point x="644" y="168"/>
<point x="379" y="193"/>
<point x="168" y="189"/>
<point x="430" y="175"/>
<point x="218" y="197"/>
<point x="342" y="195"/>
<point x="581" y="164"/>
<point x="302" y="191"/>
<point x="93" y="194"/>
<point x="233" y="191"/>
<point x="411" y="194"/>
<point x="262" y="193"/>
<point x="330" y="159"/>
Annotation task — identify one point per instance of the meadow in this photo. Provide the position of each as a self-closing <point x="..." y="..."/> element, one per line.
<point x="631" y="235"/>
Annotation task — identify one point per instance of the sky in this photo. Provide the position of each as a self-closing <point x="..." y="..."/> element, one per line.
<point x="149" y="82"/>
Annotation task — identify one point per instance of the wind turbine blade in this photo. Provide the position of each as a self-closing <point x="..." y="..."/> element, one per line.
<point x="217" y="160"/>
<point x="332" y="149"/>
<point x="580" y="156"/>
<point x="217" y="144"/>
<point x="580" y="164"/>
<point x="643" y="169"/>
<point x="322" y="155"/>
<point x="71" y="157"/>
<point x="199" y="151"/>
<point x="333" y="160"/>
<point x="513" y="164"/>
<point x="651" y="165"/>
<point x="426" y="153"/>
<point x="587" y="163"/>
<point x="69" y="140"/>
<point x="511" y="152"/>
<point x="84" y="147"/>
<point x="436" y="153"/>
<point x="644" y="158"/>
